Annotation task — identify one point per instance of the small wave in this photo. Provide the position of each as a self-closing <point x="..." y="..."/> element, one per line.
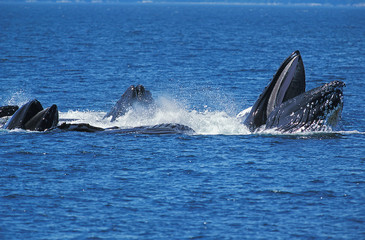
<point x="327" y="133"/>
<point x="321" y="194"/>
<point x="350" y="132"/>
<point x="272" y="191"/>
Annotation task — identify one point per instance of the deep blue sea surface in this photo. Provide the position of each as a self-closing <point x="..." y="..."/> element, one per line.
<point x="203" y="65"/>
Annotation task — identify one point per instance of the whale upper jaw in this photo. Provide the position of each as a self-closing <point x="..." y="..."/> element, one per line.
<point x="316" y="110"/>
<point x="288" y="82"/>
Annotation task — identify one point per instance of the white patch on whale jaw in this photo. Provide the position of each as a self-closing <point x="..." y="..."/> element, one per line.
<point x="332" y="113"/>
<point x="334" y="116"/>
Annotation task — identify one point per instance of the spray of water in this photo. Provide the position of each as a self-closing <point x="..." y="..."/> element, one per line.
<point x="166" y="111"/>
<point x="18" y="98"/>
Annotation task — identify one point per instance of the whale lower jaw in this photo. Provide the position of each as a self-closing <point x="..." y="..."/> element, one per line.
<point x="316" y="110"/>
<point x="327" y="122"/>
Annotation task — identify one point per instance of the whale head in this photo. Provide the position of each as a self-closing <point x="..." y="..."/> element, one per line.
<point x="316" y="110"/>
<point x="24" y="114"/>
<point x="43" y="120"/>
<point x="32" y="116"/>
<point x="133" y="96"/>
<point x="141" y="94"/>
<point x="288" y="82"/>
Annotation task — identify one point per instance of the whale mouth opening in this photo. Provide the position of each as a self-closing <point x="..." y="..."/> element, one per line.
<point x="43" y="120"/>
<point x="287" y="83"/>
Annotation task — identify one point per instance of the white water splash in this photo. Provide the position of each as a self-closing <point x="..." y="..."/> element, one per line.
<point x="18" y="98"/>
<point x="166" y="111"/>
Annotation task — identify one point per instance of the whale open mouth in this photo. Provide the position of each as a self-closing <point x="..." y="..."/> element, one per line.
<point x="43" y="120"/>
<point x="32" y="116"/>
<point x="287" y="83"/>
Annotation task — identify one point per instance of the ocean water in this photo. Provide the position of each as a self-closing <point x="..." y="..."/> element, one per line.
<point x="203" y="65"/>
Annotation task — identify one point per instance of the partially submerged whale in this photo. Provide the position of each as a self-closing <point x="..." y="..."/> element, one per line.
<point x="132" y="97"/>
<point x="285" y="106"/>
<point x="163" y="128"/>
<point x="32" y="116"/>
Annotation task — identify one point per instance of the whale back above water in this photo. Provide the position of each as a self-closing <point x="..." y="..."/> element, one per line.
<point x="158" y="129"/>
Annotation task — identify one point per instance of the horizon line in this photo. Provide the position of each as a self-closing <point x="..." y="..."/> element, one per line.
<point x="232" y="3"/>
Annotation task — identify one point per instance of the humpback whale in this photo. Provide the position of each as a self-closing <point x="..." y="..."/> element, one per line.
<point x="285" y="106"/>
<point x="133" y="96"/>
<point x="32" y="116"/>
